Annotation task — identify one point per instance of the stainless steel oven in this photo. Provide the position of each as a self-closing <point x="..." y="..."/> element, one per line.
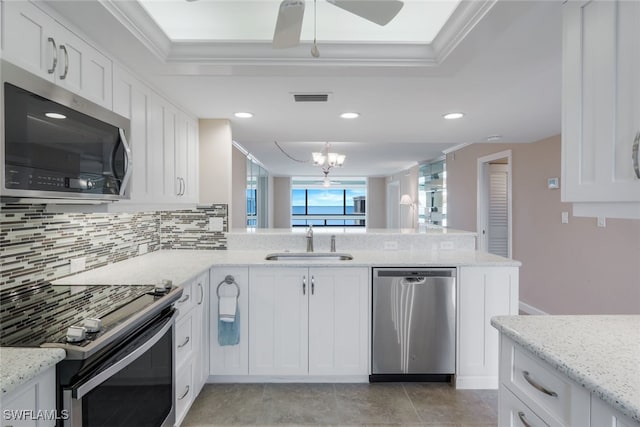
<point x="57" y="145"/>
<point x="127" y="384"/>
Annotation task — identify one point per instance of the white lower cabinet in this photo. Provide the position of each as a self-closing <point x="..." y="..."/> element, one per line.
<point x="229" y="359"/>
<point x="37" y="394"/>
<point x="308" y="321"/>
<point x="532" y="390"/>
<point x="483" y="292"/>
<point x="191" y="345"/>
<point x="604" y="415"/>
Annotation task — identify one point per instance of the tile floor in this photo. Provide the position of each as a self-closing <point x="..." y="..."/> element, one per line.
<point x="415" y="404"/>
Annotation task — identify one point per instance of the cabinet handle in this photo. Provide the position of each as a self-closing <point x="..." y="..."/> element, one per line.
<point x="184" y="186"/>
<point x="313" y="285"/>
<point x="635" y="153"/>
<point x="185" y="394"/>
<point x="55" y="56"/>
<point x="523" y="419"/>
<point x="184" y="343"/>
<point x="201" y="293"/>
<point x="304" y="285"/>
<point x="185" y="299"/>
<point x="66" y="62"/>
<point x="537" y="386"/>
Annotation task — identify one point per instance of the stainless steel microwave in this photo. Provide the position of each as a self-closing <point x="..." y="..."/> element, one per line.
<point x="57" y="145"/>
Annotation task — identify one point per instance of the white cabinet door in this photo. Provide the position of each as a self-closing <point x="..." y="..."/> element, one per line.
<point x="483" y="292"/>
<point x="229" y="359"/>
<point x="338" y="321"/>
<point x="200" y="332"/>
<point x="601" y="101"/>
<point x="604" y="415"/>
<point x="278" y="321"/>
<point x="39" y="44"/>
<point x="28" y="39"/>
<point x="37" y="395"/>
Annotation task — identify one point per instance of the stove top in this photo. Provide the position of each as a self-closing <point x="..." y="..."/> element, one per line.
<point x="40" y="315"/>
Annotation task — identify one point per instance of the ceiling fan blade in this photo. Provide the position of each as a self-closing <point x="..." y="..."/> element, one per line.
<point x="377" y="11"/>
<point x="289" y="24"/>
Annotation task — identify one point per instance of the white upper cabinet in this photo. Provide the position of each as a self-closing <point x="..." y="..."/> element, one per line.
<point x="601" y="107"/>
<point x="38" y="43"/>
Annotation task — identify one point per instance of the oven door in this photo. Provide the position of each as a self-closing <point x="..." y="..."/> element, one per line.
<point x="132" y="387"/>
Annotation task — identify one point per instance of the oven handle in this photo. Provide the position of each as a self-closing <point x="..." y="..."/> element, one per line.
<point x="79" y="391"/>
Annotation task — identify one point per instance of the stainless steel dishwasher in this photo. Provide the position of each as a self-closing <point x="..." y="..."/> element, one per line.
<point x="414" y="324"/>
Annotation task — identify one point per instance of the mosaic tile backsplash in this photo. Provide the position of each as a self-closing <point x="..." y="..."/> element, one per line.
<point x="37" y="245"/>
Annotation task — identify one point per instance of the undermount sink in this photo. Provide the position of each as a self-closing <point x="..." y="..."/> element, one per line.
<point x="309" y="256"/>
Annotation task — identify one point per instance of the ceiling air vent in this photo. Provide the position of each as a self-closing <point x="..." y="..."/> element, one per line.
<point x="311" y="97"/>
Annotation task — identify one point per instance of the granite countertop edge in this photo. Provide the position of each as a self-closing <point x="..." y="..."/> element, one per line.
<point x="19" y="365"/>
<point x="616" y="399"/>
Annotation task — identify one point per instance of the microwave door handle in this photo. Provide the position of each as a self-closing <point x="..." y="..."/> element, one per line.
<point x="127" y="163"/>
<point x="79" y="391"/>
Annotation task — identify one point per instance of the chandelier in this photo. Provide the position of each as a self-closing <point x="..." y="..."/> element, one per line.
<point x="327" y="160"/>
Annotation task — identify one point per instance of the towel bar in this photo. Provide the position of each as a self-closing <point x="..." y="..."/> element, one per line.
<point x="228" y="280"/>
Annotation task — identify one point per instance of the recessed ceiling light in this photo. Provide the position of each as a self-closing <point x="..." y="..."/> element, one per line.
<point x="243" y="115"/>
<point x="350" y="115"/>
<point x="453" y="116"/>
<point x="55" y="115"/>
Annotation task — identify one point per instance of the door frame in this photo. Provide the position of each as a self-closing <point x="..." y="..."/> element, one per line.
<point x="482" y="198"/>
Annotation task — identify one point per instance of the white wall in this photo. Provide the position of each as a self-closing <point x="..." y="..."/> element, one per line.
<point x="282" y="202"/>
<point x="215" y="162"/>
<point x="238" y="218"/>
<point x="408" y="181"/>
<point x="376" y="203"/>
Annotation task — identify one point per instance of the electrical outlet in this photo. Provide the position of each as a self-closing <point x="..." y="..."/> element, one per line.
<point x="77" y="264"/>
<point x="565" y="217"/>
<point x="391" y="245"/>
<point x="215" y="224"/>
<point x="446" y="245"/>
<point x="143" y="248"/>
<point x="602" y="221"/>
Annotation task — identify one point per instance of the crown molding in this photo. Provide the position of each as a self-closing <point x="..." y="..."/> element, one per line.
<point x="139" y="23"/>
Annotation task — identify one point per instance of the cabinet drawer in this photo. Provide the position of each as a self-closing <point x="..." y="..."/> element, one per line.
<point x="184" y="390"/>
<point x="186" y="301"/>
<point x="554" y="397"/>
<point x="184" y="339"/>
<point x="513" y="413"/>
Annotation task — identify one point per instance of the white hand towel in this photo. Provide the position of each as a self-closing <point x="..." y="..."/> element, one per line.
<point x="227" y="308"/>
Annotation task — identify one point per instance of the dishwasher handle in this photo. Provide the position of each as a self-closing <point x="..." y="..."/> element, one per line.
<point x="416" y="273"/>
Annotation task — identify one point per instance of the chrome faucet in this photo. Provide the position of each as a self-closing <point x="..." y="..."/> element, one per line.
<point x="310" y="238"/>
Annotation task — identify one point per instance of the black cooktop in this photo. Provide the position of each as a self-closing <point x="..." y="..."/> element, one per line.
<point x="36" y="314"/>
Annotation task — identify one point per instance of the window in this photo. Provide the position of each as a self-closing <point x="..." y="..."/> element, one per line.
<point x="338" y="206"/>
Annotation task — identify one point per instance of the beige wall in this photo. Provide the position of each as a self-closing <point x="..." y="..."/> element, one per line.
<point x="238" y="214"/>
<point x="376" y="203"/>
<point x="215" y="162"/>
<point x="574" y="268"/>
<point x="282" y="202"/>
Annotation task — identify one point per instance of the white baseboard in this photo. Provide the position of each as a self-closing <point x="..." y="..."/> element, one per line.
<point x="529" y="309"/>
<point x="288" y="379"/>
<point x="476" y="383"/>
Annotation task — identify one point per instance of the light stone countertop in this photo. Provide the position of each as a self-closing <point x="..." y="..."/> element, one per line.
<point x="601" y="353"/>
<point x="183" y="265"/>
<point x="19" y="365"/>
<point x="180" y="266"/>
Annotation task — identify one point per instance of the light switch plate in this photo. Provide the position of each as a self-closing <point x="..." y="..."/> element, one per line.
<point x="143" y="248"/>
<point x="215" y="224"/>
<point x="565" y="217"/>
<point x="553" y="183"/>
<point x="602" y="221"/>
<point x="391" y="245"/>
<point x="446" y="245"/>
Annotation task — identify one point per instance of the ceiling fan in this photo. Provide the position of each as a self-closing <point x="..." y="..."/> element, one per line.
<point x="289" y="23"/>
